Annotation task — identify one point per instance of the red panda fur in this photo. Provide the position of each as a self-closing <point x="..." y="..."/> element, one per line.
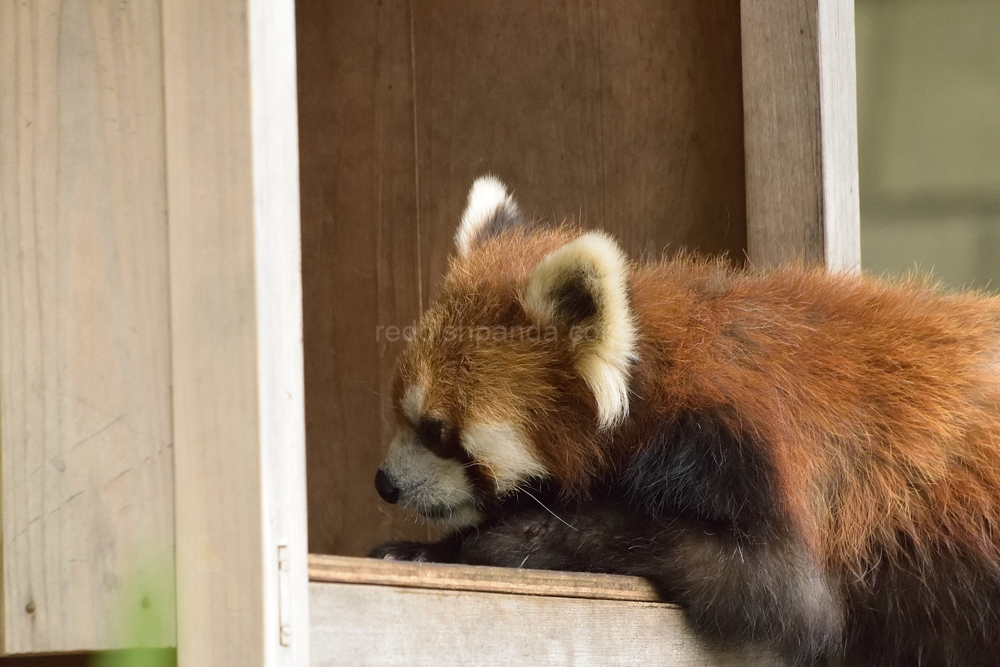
<point x="879" y="403"/>
<point x="875" y="407"/>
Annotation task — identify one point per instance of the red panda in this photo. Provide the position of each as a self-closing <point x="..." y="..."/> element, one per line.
<point x="805" y="461"/>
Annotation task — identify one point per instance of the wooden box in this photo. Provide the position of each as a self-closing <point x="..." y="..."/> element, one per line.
<point x="184" y="370"/>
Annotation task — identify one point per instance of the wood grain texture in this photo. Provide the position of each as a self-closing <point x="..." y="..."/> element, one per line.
<point x="341" y="569"/>
<point x="801" y="132"/>
<point x="627" y="116"/>
<point x="236" y="332"/>
<point x="384" y="625"/>
<point x="84" y="326"/>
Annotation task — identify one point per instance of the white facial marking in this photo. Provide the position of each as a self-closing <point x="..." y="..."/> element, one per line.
<point x="429" y="484"/>
<point x="412" y="403"/>
<point x="503" y="449"/>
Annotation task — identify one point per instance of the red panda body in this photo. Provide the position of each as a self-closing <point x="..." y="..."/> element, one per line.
<point x="806" y="461"/>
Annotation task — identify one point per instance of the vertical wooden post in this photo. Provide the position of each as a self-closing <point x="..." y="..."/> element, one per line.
<point x="85" y="427"/>
<point x="232" y="180"/>
<point x="800" y="132"/>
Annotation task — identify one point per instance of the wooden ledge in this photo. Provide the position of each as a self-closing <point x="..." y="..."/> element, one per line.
<point x="346" y="570"/>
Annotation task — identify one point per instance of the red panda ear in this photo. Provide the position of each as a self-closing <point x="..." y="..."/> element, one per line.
<point x="490" y="210"/>
<point x="582" y="288"/>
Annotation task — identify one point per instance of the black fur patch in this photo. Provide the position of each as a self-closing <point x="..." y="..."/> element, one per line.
<point x="696" y="468"/>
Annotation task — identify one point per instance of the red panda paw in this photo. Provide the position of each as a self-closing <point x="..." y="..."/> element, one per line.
<point x="409" y="551"/>
<point x="417" y="552"/>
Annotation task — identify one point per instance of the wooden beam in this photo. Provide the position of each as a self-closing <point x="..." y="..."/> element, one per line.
<point x="346" y="570"/>
<point x="800" y="132"/>
<point x="236" y="325"/>
<point x="85" y="427"/>
<point x="626" y="116"/>
<point x="384" y="626"/>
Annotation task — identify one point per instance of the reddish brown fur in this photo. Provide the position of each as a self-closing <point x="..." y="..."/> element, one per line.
<point x="878" y="403"/>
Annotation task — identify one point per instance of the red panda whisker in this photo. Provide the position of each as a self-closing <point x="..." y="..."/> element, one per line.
<point x="567" y="524"/>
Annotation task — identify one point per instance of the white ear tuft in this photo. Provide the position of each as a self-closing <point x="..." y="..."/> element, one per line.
<point x="490" y="210"/>
<point x="583" y="287"/>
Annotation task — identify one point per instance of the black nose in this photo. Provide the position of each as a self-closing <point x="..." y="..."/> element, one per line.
<point x="385" y="487"/>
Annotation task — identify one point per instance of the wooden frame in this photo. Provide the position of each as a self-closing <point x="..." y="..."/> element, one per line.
<point x="149" y="226"/>
<point x="802" y="205"/>
<point x="625" y="116"/>
<point x="800" y="132"/>
<point x="236" y="326"/>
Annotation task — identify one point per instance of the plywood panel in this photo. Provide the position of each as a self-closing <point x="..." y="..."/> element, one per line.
<point x="239" y="426"/>
<point x="801" y="132"/>
<point x="628" y="117"/>
<point x="383" y="625"/>
<point x="84" y="333"/>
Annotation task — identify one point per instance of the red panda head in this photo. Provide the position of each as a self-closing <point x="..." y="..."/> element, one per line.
<point x="516" y="371"/>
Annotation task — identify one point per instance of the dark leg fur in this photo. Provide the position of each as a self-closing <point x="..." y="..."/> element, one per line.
<point x="736" y="592"/>
<point x="731" y="556"/>
<point x="695" y="467"/>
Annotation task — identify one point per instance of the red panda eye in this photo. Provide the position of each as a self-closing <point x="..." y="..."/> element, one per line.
<point x="430" y="432"/>
<point x="441" y="438"/>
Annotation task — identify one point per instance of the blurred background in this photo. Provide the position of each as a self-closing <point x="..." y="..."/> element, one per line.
<point x="929" y="138"/>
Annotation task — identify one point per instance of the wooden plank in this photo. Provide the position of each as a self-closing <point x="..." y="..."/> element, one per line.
<point x="232" y="174"/>
<point x="629" y="116"/>
<point x="384" y="626"/>
<point x="800" y="106"/>
<point x="84" y="333"/>
<point x="341" y="569"/>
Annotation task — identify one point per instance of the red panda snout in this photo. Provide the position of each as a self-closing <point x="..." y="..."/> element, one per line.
<point x="451" y="473"/>
<point x="436" y="487"/>
<point x="447" y="466"/>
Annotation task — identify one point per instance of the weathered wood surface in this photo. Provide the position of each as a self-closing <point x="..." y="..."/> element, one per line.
<point x="355" y="624"/>
<point x="85" y="433"/>
<point x="342" y="569"/>
<point x="800" y="105"/>
<point x="232" y="173"/>
<point x="628" y="115"/>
